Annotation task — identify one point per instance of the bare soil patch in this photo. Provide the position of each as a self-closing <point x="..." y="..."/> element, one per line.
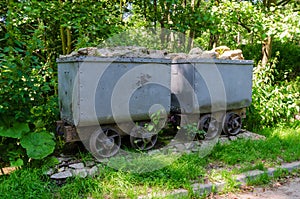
<point x="7" y="170"/>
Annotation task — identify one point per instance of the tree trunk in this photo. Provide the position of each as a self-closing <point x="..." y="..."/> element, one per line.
<point x="121" y="10"/>
<point x="266" y="51"/>
<point x="63" y="41"/>
<point x="192" y="29"/>
<point x="267" y="43"/>
<point x="213" y="40"/>
<point x="191" y="39"/>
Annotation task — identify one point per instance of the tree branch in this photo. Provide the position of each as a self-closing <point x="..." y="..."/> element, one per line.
<point x="283" y="2"/>
<point x="40" y="56"/>
<point x="243" y="25"/>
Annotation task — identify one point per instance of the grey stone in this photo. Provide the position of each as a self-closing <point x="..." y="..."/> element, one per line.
<point x="61" y="164"/>
<point x="179" y="193"/>
<point x="271" y="171"/>
<point x="189" y="145"/>
<point x="61" y="175"/>
<point x="208" y="54"/>
<point x="194" y="51"/>
<point x="154" y="152"/>
<point x="195" y="149"/>
<point x="188" y="151"/>
<point x="241" y="178"/>
<point x="89" y="163"/>
<point x="64" y="159"/>
<point x="180" y="147"/>
<point x="102" y="160"/>
<point x="232" y="138"/>
<point x="61" y="169"/>
<point x="254" y="173"/>
<point x="77" y="166"/>
<point x="80" y="173"/>
<point x="201" y="187"/>
<point x="291" y="166"/>
<point x="93" y="171"/>
<point x="49" y="172"/>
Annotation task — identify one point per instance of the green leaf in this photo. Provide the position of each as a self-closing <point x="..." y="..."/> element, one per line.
<point x="150" y="127"/>
<point x="15" y="131"/>
<point x="19" y="162"/>
<point x="38" y="145"/>
<point x="39" y="124"/>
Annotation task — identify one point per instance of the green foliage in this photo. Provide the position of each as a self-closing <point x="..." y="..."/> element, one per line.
<point x="33" y="34"/>
<point x="38" y="145"/>
<point x="280" y="173"/>
<point x="248" y="23"/>
<point x="192" y="129"/>
<point x="288" y="65"/>
<point x="15" y="131"/>
<point x="287" y="55"/>
<point x="273" y="103"/>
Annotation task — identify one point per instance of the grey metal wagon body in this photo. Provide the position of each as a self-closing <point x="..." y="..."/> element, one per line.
<point x="211" y="85"/>
<point x="118" y="90"/>
<point x="97" y="87"/>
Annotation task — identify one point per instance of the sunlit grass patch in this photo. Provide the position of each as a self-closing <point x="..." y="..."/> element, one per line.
<point x="281" y="145"/>
<point x="25" y="183"/>
<point x="221" y="166"/>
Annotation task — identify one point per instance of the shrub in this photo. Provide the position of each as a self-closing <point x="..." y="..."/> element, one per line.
<point x="272" y="103"/>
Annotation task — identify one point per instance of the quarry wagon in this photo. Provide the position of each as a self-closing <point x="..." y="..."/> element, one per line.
<point x="118" y="96"/>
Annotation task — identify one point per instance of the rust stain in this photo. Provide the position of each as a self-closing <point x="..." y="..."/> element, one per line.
<point x="143" y="79"/>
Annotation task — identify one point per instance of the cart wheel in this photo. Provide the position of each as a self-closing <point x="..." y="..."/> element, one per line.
<point x="210" y="125"/>
<point x="105" y="142"/>
<point x="59" y="128"/>
<point x="59" y="131"/>
<point x="232" y="123"/>
<point x="141" y="139"/>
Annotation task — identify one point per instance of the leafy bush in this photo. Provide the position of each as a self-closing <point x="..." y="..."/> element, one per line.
<point x="287" y="54"/>
<point x="27" y="109"/>
<point x="27" y="87"/>
<point x="33" y="34"/>
<point x="272" y="103"/>
<point x="288" y="65"/>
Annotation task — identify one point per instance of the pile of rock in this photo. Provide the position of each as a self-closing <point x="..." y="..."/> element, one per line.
<point x="70" y="167"/>
<point x="221" y="52"/>
<point x="244" y="134"/>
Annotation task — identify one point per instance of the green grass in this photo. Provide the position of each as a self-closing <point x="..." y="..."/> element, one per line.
<point x="281" y="144"/>
<point x="225" y="161"/>
<point x="278" y="175"/>
<point x="25" y="183"/>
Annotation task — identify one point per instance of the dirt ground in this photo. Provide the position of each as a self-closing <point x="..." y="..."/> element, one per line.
<point x="288" y="190"/>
